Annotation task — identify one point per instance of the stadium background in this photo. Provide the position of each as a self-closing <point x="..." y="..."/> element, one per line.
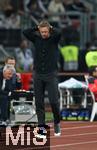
<point x="78" y="26"/>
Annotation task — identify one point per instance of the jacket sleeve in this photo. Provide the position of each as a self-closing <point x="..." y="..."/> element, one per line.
<point x="56" y="34"/>
<point x="4" y="92"/>
<point x="30" y="34"/>
<point x="18" y="85"/>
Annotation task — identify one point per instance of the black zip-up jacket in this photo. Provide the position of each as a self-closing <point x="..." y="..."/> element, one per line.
<point x="46" y="50"/>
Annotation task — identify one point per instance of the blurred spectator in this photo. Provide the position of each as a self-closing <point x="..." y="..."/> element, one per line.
<point x="92" y="74"/>
<point x="82" y="53"/>
<point x="10" y="61"/>
<point x="4" y="4"/>
<point x="77" y="5"/>
<point x="2" y="20"/>
<point x="24" y="57"/>
<point x="94" y="41"/>
<point x="11" y="20"/>
<point x="70" y="56"/>
<point x="16" y="78"/>
<point x="54" y="8"/>
<point x="67" y="3"/>
<point x="91" y="56"/>
<point x="92" y="80"/>
<point x="17" y="5"/>
<point x="65" y="21"/>
<point x="70" y="34"/>
<point x="34" y="10"/>
<point x="42" y="7"/>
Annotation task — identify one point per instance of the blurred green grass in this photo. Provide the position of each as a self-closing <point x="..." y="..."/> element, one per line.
<point x="49" y="116"/>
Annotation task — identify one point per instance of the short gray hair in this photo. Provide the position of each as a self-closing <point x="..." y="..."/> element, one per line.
<point x="9" y="67"/>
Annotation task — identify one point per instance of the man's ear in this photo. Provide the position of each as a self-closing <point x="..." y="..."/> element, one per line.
<point x="37" y="27"/>
<point x="51" y="28"/>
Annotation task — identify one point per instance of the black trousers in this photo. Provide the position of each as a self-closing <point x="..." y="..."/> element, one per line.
<point x="50" y="83"/>
<point x="4" y="102"/>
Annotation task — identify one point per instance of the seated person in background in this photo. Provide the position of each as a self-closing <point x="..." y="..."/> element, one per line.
<point x="92" y="74"/>
<point x="24" y="57"/>
<point x="6" y="87"/>
<point x="92" y="79"/>
<point x="16" y="78"/>
<point x="10" y="61"/>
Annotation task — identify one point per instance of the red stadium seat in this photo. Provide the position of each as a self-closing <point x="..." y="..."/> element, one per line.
<point x="26" y="80"/>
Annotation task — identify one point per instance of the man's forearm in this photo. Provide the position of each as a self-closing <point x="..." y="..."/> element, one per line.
<point x="30" y="33"/>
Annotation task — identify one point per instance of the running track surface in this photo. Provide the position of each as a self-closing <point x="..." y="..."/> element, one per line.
<point x="75" y="135"/>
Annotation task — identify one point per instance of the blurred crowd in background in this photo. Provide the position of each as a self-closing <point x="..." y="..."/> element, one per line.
<point x="77" y="20"/>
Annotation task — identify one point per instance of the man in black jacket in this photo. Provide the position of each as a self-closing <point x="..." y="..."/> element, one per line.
<point x="6" y="87"/>
<point x="45" y="40"/>
<point x="15" y="80"/>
